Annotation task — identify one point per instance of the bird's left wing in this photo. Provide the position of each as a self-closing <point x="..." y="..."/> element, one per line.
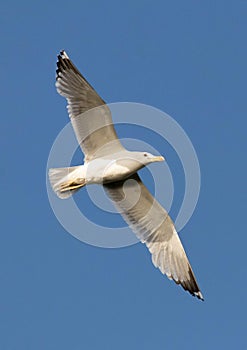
<point x="90" y="116"/>
<point x="153" y="226"/>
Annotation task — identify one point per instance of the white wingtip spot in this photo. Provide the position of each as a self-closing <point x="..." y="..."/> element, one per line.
<point x="199" y="295"/>
<point x="64" y="54"/>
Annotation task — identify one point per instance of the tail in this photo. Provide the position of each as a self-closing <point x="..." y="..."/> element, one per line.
<point x="66" y="181"/>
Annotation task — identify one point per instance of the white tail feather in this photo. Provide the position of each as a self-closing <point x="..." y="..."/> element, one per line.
<point x="66" y="181"/>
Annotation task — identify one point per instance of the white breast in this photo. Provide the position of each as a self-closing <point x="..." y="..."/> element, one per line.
<point x="99" y="170"/>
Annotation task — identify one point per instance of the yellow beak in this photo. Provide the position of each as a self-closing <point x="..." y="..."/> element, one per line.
<point x="158" y="159"/>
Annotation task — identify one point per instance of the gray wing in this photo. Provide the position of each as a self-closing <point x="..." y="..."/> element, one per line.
<point x="90" y="116"/>
<point x="153" y="226"/>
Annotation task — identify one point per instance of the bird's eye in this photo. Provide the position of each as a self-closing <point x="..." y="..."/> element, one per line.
<point x="145" y="155"/>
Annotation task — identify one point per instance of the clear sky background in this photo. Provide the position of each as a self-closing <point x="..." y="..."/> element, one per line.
<point x="187" y="58"/>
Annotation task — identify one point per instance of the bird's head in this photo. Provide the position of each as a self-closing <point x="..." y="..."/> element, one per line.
<point x="134" y="161"/>
<point x="146" y="158"/>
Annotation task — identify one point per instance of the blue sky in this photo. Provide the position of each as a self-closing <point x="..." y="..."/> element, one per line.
<point x="186" y="58"/>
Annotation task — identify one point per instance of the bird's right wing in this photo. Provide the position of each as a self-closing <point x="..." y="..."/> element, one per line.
<point x="90" y="116"/>
<point x="153" y="226"/>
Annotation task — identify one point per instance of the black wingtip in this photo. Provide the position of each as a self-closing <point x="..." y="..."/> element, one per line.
<point x="62" y="55"/>
<point x="62" y="62"/>
<point x="194" y="293"/>
<point x="199" y="295"/>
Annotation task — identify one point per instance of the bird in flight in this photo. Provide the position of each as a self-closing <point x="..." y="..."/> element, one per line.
<point x="108" y="163"/>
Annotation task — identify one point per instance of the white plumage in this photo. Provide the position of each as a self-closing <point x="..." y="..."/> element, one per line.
<point x="108" y="163"/>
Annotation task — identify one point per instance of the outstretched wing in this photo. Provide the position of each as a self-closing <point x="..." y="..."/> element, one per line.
<point x="90" y="116"/>
<point x="153" y="226"/>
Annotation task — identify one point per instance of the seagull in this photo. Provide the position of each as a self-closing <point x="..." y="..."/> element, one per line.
<point x="108" y="163"/>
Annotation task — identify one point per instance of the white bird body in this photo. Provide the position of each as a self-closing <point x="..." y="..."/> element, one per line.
<point x="106" y="169"/>
<point x="119" y="166"/>
<point x="96" y="171"/>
